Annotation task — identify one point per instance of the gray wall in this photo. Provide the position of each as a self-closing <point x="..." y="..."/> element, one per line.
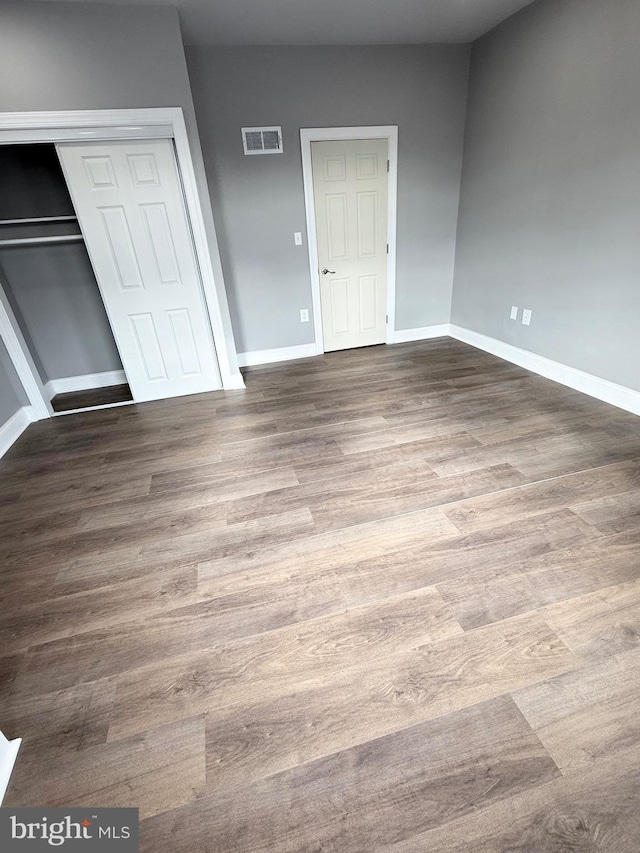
<point x="59" y="56"/>
<point x="12" y="395"/>
<point x="51" y="288"/>
<point x="259" y="201"/>
<point x="550" y="202"/>
<point x="31" y="180"/>
<point x="7" y="290"/>
<point x="66" y="56"/>
<point x="58" y="298"/>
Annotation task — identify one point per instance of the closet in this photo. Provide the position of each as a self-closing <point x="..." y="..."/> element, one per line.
<point x="109" y="304"/>
<point x="49" y="282"/>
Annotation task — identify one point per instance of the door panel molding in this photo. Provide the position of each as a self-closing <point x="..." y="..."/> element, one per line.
<point x="324" y="134"/>
<point x="156" y="306"/>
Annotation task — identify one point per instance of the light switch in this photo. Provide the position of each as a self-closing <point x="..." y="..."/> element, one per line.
<point x="297" y="238"/>
<point x="514" y="312"/>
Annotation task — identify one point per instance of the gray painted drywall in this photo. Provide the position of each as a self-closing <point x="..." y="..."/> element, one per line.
<point x="51" y="288"/>
<point x="7" y="290"/>
<point x="550" y="201"/>
<point x="12" y="396"/>
<point x="58" y="298"/>
<point x="69" y="56"/>
<point x="259" y="201"/>
<point x="31" y="182"/>
<point x="59" y="56"/>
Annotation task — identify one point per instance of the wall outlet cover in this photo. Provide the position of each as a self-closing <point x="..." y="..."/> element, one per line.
<point x="304" y="315"/>
<point x="297" y="238"/>
<point x="526" y="317"/>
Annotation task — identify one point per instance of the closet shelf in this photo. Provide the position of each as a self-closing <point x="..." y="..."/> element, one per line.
<point x="38" y="219"/>
<point x="36" y="241"/>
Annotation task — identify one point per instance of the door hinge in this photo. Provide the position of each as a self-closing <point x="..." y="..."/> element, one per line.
<point x="387" y="165"/>
<point x="387" y="248"/>
<point x="386" y="319"/>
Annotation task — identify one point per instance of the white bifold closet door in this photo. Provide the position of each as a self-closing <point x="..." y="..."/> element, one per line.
<point x="128" y="199"/>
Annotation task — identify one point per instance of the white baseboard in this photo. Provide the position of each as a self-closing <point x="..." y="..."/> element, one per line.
<point x="587" y="383"/>
<point x="269" y="356"/>
<point x="8" y="754"/>
<point x="84" y="382"/>
<point x="403" y="336"/>
<point x="11" y="430"/>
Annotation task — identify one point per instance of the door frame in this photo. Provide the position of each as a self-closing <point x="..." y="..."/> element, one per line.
<point x="332" y="134"/>
<point x="105" y="125"/>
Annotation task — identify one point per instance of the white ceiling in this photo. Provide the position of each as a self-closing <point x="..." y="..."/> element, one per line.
<point x="335" y="21"/>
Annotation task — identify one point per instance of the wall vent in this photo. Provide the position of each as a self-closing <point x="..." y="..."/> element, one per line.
<point x="262" y="140"/>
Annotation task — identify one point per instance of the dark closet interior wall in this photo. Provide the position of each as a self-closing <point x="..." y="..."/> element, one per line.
<point x="12" y="395"/>
<point x="51" y="287"/>
<point x="26" y="334"/>
<point x="32" y="183"/>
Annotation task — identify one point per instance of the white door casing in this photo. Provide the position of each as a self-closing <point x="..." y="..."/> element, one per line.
<point x="130" y="207"/>
<point x="350" y="186"/>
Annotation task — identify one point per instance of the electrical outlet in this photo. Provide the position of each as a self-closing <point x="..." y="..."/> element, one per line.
<point x="526" y="317"/>
<point x="514" y="312"/>
<point x="297" y="238"/>
<point x="304" y="315"/>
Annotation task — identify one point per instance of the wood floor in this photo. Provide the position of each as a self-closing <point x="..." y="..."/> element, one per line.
<point x="382" y="600"/>
<point x="92" y="397"/>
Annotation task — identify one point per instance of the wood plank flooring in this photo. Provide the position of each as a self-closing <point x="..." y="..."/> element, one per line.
<point x="383" y="600"/>
<point x="72" y="400"/>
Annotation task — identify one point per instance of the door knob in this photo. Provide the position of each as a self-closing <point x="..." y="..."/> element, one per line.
<point x="325" y="271"/>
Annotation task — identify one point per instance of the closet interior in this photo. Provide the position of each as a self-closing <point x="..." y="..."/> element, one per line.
<point x="48" y="281"/>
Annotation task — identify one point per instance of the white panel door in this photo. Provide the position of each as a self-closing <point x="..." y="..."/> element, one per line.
<point x="128" y="199"/>
<point x="350" y="187"/>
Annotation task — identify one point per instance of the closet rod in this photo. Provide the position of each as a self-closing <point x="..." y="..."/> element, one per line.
<point x="35" y="219"/>
<point x="36" y="241"/>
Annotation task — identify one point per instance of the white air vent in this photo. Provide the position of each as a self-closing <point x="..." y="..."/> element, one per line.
<point x="262" y="140"/>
